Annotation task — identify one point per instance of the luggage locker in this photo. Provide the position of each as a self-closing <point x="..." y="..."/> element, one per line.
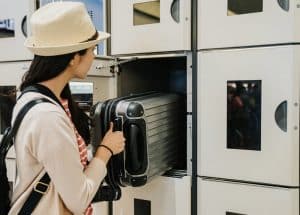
<point x="236" y="23"/>
<point x="152" y="123"/>
<point x="14" y="30"/>
<point x="163" y="195"/>
<point x="136" y="76"/>
<point x="250" y="130"/>
<point x="228" y="198"/>
<point x="139" y="26"/>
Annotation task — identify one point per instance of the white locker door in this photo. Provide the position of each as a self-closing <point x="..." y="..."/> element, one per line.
<point x="11" y="73"/>
<point x="139" y="26"/>
<point x="224" y="198"/>
<point x="249" y="114"/>
<point x="162" y="196"/>
<point x="235" y="23"/>
<point x="13" y="27"/>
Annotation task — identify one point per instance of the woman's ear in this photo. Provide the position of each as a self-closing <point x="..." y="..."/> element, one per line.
<point x="75" y="60"/>
<point x="71" y="63"/>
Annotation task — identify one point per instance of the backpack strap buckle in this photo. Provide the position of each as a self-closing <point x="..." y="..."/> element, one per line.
<point x="41" y="188"/>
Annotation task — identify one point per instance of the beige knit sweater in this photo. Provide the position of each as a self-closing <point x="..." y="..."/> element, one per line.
<point x="46" y="142"/>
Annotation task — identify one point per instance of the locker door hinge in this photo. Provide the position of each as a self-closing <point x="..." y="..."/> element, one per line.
<point x="115" y="64"/>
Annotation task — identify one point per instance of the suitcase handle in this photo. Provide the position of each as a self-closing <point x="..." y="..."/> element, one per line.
<point x="133" y="145"/>
<point x="136" y="151"/>
<point x="118" y="124"/>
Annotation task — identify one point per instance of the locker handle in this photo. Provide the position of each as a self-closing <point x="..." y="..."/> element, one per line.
<point x="281" y="116"/>
<point x="24" y="26"/>
<point x="175" y="10"/>
<point x="135" y="150"/>
<point x="284" y="4"/>
<point x="233" y="213"/>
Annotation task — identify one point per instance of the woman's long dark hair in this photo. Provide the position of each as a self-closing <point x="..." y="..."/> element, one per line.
<point x="44" y="68"/>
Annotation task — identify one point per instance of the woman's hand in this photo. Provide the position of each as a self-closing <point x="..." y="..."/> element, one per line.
<point x="115" y="141"/>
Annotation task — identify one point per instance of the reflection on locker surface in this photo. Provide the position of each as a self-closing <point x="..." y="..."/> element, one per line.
<point x="243" y="114"/>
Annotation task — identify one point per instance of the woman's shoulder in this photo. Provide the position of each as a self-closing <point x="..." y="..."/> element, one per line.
<point x="46" y="108"/>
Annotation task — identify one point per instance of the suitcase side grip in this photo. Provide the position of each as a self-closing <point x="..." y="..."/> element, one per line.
<point x="136" y="151"/>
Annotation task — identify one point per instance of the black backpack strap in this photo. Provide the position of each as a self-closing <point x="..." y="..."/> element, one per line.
<point x="38" y="190"/>
<point x="41" y="187"/>
<point x="35" y="196"/>
<point x="11" y="132"/>
<point x="39" y="88"/>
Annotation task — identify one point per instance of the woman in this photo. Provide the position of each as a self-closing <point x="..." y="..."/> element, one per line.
<point x="52" y="137"/>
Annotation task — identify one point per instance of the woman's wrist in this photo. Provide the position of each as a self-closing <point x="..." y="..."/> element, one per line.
<point x="103" y="153"/>
<point x="107" y="148"/>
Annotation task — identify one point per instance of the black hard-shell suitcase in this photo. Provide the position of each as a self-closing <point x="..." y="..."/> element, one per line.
<point x="152" y="124"/>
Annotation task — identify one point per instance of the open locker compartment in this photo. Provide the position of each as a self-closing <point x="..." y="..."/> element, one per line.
<point x="228" y="198"/>
<point x="249" y="131"/>
<point x="162" y="74"/>
<point x="167" y="75"/>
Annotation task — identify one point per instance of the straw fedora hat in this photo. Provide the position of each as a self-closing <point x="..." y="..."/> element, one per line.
<point x="60" y="28"/>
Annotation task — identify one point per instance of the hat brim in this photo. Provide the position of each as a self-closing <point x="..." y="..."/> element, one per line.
<point x="60" y="50"/>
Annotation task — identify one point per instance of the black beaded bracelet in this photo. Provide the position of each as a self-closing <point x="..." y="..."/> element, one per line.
<point x="101" y="145"/>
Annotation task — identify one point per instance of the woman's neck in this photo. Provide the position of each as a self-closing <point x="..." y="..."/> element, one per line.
<point x="57" y="84"/>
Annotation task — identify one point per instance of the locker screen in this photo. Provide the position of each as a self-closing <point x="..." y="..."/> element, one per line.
<point x="7" y="28"/>
<point x="244" y="115"/>
<point x="236" y="7"/>
<point x="146" y="13"/>
<point x="82" y="93"/>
